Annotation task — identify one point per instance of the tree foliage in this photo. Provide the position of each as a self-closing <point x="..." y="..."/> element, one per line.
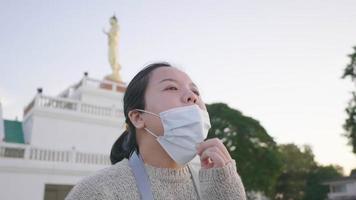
<point x="255" y="152"/>
<point x="285" y="172"/>
<point x="298" y="162"/>
<point x="353" y="172"/>
<point x="350" y="122"/>
<point x="314" y="189"/>
<point x="302" y="178"/>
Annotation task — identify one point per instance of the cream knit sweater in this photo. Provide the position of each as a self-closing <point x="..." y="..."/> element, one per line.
<point x="118" y="182"/>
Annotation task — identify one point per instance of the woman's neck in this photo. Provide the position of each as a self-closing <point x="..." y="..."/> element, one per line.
<point x="153" y="154"/>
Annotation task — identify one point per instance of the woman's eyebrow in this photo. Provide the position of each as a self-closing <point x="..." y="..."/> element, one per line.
<point x="193" y="85"/>
<point x="173" y="80"/>
<point x="168" y="79"/>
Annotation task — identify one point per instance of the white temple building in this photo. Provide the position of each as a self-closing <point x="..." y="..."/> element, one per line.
<point x="62" y="138"/>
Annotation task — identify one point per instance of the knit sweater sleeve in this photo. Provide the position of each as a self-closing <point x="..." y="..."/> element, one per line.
<point x="221" y="183"/>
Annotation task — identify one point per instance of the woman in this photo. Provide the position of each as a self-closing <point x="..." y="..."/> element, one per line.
<point x="167" y="124"/>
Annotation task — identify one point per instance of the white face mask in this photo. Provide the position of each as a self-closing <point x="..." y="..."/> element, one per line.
<point x="184" y="128"/>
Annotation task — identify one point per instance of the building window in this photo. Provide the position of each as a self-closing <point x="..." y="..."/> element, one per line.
<point x="338" y="188"/>
<point x="56" y="192"/>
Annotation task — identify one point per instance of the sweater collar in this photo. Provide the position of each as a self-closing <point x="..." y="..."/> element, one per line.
<point x="168" y="173"/>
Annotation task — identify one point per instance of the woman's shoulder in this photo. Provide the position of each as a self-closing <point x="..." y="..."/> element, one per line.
<point x="106" y="183"/>
<point x="116" y="172"/>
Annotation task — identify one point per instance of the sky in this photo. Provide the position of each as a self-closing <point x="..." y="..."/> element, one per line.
<point x="278" y="61"/>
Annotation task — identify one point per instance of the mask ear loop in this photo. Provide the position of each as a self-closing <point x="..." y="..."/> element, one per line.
<point x="150" y="132"/>
<point x="148" y="112"/>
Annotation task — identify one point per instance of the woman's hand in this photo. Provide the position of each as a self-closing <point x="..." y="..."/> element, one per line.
<point x="213" y="154"/>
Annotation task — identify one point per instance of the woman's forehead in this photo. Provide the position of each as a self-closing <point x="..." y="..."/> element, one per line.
<point x="169" y="74"/>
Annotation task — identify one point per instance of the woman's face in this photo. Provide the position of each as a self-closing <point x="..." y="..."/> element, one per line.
<point x="168" y="88"/>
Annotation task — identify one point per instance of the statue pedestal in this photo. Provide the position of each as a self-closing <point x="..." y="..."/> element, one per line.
<point x="113" y="85"/>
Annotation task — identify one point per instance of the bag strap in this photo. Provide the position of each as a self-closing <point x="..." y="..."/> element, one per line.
<point x="141" y="177"/>
<point x="195" y="176"/>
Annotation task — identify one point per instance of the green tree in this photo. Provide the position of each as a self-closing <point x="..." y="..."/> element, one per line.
<point x="350" y="122"/>
<point x="298" y="162"/>
<point x="315" y="189"/>
<point x="353" y="172"/>
<point x="255" y="152"/>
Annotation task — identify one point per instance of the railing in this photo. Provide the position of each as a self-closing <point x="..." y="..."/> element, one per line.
<point x="29" y="107"/>
<point x="56" y="103"/>
<point x="66" y="93"/>
<point x="93" y="83"/>
<point x="104" y="84"/>
<point x="27" y="152"/>
<point x="62" y="104"/>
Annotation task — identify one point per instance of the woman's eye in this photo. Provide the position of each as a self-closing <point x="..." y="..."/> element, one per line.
<point x="196" y="92"/>
<point x="171" y="88"/>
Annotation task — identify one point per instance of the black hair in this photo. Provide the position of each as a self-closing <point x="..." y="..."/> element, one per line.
<point x="134" y="98"/>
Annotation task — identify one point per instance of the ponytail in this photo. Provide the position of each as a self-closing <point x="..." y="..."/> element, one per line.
<point x="123" y="147"/>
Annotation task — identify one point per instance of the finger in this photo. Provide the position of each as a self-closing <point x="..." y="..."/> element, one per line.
<point x="213" y="142"/>
<point x="207" y="163"/>
<point x="210" y="143"/>
<point x="216" y="159"/>
<point x="216" y="150"/>
<point x="213" y="153"/>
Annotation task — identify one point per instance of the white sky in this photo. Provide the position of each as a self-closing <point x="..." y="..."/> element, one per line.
<point x="278" y="61"/>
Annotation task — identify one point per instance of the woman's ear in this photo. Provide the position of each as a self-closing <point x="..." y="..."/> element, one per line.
<point x="136" y="119"/>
